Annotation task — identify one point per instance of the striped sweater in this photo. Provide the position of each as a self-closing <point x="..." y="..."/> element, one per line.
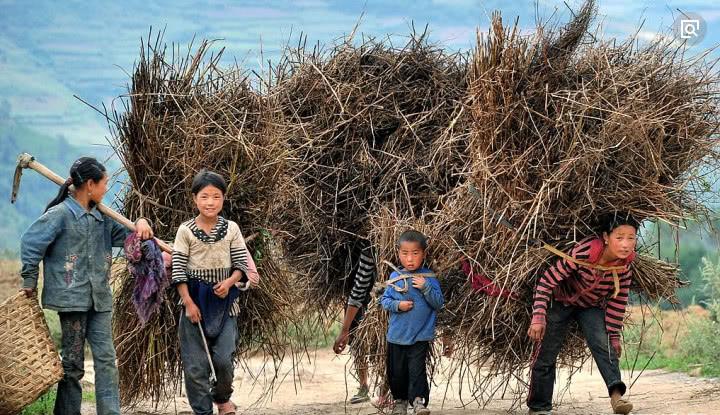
<point x="209" y="258"/>
<point x="364" y="279"/>
<point x="581" y="286"/>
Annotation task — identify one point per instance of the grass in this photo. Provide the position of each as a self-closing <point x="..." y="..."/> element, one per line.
<point x="315" y="336"/>
<point x="53" y="321"/>
<point x="44" y="405"/>
<point x="679" y="341"/>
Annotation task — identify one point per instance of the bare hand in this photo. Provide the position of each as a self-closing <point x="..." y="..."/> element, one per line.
<point x="29" y="292"/>
<point x="536" y="332"/>
<point x="405" y="305"/>
<point x="143" y="229"/>
<point x="418" y="282"/>
<point x="253" y="278"/>
<point x="341" y="342"/>
<point x="222" y="289"/>
<point x="192" y="312"/>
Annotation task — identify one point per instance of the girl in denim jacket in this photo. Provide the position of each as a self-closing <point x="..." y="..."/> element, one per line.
<point x="74" y="241"/>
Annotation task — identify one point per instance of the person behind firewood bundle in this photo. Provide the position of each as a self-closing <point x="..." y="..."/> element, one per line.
<point x="589" y="285"/>
<point x="363" y="278"/>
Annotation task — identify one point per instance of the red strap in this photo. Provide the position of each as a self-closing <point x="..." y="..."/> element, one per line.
<point x="483" y="284"/>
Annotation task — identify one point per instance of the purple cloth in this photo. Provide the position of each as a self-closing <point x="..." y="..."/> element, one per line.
<point x="145" y="263"/>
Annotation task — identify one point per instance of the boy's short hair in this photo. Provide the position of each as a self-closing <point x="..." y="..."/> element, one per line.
<point x="207" y="178"/>
<point x="413" y="236"/>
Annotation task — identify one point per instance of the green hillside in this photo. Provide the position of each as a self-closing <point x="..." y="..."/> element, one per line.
<point x="696" y="242"/>
<point x="33" y="94"/>
<point x="35" y="191"/>
<point x="54" y="50"/>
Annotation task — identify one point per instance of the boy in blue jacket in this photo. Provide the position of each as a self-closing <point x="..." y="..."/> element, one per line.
<point x="413" y="303"/>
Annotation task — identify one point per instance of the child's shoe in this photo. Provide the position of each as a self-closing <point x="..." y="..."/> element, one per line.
<point x="621" y="406"/>
<point x="362" y="395"/>
<point x="419" y="407"/>
<point x="399" y="407"/>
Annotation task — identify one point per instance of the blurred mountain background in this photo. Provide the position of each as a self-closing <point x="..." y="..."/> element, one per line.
<point x="52" y="51"/>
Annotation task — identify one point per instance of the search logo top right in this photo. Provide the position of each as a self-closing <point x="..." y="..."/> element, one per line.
<point x="690" y="27"/>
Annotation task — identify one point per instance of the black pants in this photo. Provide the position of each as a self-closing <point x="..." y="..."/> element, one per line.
<point x="406" y="371"/>
<point x="592" y="324"/>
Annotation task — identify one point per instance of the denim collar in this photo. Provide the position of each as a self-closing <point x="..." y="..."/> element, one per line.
<point x="78" y="211"/>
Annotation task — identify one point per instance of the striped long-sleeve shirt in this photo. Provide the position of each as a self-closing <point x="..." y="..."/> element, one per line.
<point x="364" y="279"/>
<point x="578" y="285"/>
<point x="210" y="258"/>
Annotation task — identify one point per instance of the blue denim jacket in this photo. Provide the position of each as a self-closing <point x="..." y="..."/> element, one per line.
<point x="75" y="247"/>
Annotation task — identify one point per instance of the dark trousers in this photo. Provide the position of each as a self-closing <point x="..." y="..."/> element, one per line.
<point x="406" y="371"/>
<point x="197" y="368"/>
<point x="96" y="328"/>
<point x="592" y="324"/>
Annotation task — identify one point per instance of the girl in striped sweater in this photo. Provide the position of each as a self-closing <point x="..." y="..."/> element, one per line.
<point x="209" y="259"/>
<point x="591" y="286"/>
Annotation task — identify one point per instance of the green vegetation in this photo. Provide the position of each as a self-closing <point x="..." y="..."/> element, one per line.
<point x="44" y="405"/>
<point x="687" y="341"/>
<point x="53" y="321"/>
<point x="314" y="336"/>
<point x="696" y="243"/>
<point x="696" y="352"/>
<point x="35" y="191"/>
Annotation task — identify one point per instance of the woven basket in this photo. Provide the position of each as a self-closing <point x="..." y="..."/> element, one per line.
<point x="29" y="362"/>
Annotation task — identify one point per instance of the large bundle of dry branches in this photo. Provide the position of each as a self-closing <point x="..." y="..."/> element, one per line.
<point x="183" y="114"/>
<point x="351" y="145"/>
<point x="362" y="119"/>
<point x="560" y="132"/>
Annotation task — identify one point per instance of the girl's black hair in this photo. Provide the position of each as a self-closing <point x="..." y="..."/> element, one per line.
<point x="84" y="169"/>
<point x="207" y="178"/>
<point x="609" y="221"/>
<point x="413" y="236"/>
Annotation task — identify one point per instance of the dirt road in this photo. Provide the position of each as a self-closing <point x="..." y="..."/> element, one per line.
<point x="323" y="387"/>
<point x="324" y="390"/>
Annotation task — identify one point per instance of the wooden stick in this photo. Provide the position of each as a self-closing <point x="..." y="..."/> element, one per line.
<point x="25" y="160"/>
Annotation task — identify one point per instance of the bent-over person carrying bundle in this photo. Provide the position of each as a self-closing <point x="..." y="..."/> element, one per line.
<point x="585" y="286"/>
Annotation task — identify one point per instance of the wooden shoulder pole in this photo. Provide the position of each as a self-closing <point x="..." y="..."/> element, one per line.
<point x="27" y="161"/>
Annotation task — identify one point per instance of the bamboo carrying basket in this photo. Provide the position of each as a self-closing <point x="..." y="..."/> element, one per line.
<point x="29" y="361"/>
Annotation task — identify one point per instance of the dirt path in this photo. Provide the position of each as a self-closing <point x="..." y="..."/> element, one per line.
<point x="324" y="388"/>
<point x="323" y="392"/>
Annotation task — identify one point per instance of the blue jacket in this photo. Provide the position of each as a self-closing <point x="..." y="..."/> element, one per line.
<point x="418" y="324"/>
<point x="75" y="247"/>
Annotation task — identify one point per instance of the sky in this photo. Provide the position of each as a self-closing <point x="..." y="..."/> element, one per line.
<point x="52" y="50"/>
